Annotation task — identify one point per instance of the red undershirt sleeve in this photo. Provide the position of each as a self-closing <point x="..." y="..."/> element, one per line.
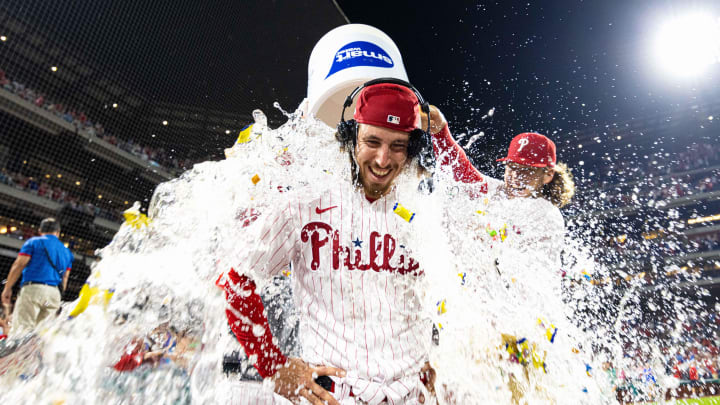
<point x="129" y="361"/>
<point x="449" y="153"/>
<point x="246" y="318"/>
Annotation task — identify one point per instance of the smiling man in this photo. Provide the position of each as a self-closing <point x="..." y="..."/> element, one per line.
<point x="380" y="154"/>
<point x="363" y="336"/>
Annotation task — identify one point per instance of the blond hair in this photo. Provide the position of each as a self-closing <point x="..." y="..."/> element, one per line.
<point x="562" y="187"/>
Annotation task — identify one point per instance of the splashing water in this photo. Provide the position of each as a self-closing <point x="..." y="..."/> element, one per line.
<point x="506" y="331"/>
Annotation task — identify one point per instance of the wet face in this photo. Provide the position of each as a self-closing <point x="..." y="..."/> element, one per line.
<point x="381" y="154"/>
<point x="526" y="181"/>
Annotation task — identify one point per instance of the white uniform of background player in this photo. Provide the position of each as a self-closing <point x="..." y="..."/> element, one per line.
<point x="517" y="237"/>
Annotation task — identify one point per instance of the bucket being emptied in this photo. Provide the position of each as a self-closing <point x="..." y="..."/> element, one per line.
<point x="343" y="59"/>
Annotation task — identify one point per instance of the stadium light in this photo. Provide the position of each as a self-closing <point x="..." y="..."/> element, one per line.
<point x="164" y="122"/>
<point x="3" y="38"/>
<point x="53" y="68"/>
<point x="687" y="45"/>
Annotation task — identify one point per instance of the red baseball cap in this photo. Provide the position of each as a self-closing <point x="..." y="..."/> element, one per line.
<point x="388" y="105"/>
<point x="531" y="149"/>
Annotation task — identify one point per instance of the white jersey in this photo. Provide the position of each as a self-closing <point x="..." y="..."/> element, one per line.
<point x="354" y="276"/>
<point x="533" y="226"/>
<point x="522" y="239"/>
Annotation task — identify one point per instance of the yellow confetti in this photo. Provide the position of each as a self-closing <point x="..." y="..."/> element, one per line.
<point x="255" y="179"/>
<point x="403" y="212"/>
<point x="136" y="219"/>
<point x="244" y="135"/>
<point x="441" y="307"/>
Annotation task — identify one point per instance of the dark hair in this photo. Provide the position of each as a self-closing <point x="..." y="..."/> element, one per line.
<point x="562" y="187"/>
<point x="419" y="147"/>
<point x="49" y="225"/>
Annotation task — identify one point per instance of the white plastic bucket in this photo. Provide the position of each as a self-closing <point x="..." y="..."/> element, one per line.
<point x="343" y="59"/>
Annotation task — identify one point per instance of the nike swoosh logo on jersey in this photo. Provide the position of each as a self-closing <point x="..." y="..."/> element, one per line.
<point x="320" y="211"/>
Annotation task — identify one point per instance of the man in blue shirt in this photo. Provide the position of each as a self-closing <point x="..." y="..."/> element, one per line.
<point x="45" y="263"/>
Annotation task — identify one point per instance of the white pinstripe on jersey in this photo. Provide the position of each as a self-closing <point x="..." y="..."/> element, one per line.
<point x="357" y="306"/>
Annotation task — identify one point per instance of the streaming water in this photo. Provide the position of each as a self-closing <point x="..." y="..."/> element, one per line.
<point x="484" y="294"/>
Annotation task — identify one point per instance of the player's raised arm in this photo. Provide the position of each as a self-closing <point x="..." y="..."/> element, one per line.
<point x="448" y="152"/>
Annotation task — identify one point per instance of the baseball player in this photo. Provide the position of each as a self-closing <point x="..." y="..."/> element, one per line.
<point x="518" y="239"/>
<point x="362" y="334"/>
<point x="531" y="168"/>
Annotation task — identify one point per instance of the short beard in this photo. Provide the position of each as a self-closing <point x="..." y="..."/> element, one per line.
<point x="373" y="192"/>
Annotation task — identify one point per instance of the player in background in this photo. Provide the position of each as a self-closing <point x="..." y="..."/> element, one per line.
<point x="520" y="235"/>
<point x="533" y="172"/>
<point x="521" y="213"/>
<point x="362" y="332"/>
<point x="535" y="186"/>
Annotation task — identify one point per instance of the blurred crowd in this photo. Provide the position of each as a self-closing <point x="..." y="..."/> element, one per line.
<point x="628" y="183"/>
<point x="23" y="231"/>
<point x="17" y="231"/>
<point x="688" y="352"/>
<point x="42" y="188"/>
<point x="642" y="249"/>
<point x="158" y="157"/>
<point x="708" y="242"/>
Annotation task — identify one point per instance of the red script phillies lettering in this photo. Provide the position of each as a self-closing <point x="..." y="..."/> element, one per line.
<point x="320" y="233"/>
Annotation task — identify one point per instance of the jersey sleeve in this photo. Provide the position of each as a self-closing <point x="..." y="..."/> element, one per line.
<point x="450" y="154"/>
<point x="245" y="310"/>
<point x="247" y="320"/>
<point x="275" y="247"/>
<point x="27" y="249"/>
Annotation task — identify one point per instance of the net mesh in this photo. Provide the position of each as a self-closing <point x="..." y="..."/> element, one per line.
<point x="99" y="103"/>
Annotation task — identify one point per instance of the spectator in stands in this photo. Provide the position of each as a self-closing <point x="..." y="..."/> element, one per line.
<point x="693" y="375"/>
<point x="44" y="263"/>
<point x="40" y="101"/>
<point x="32" y="185"/>
<point x="6" y="177"/>
<point x="4" y="82"/>
<point x="44" y="189"/>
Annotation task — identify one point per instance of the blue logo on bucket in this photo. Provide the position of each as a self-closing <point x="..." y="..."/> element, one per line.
<point x="360" y="53"/>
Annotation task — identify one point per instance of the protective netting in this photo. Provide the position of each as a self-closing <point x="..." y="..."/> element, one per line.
<point x="82" y="141"/>
<point x="89" y="126"/>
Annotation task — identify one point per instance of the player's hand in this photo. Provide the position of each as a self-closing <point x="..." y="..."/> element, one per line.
<point x="6" y="296"/>
<point x="154" y="356"/>
<point x="437" y="120"/>
<point x="297" y="379"/>
<point x="429" y="374"/>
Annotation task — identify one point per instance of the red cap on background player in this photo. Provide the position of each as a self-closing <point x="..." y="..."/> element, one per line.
<point x="388" y="105"/>
<point x="531" y="149"/>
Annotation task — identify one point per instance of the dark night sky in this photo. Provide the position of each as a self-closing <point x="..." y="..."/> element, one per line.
<point x="546" y="66"/>
<point x="552" y="66"/>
